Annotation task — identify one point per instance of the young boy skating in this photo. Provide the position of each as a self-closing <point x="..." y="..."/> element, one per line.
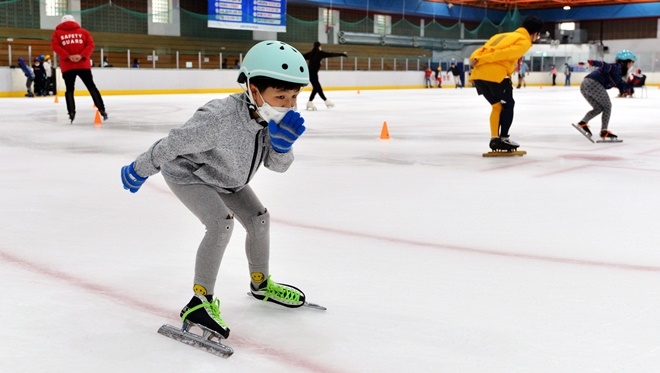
<point x="209" y="162"/>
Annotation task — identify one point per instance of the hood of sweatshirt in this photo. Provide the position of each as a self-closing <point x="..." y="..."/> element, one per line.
<point x="68" y="26"/>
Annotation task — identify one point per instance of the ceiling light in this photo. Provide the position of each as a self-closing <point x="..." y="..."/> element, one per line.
<point x="566" y="7"/>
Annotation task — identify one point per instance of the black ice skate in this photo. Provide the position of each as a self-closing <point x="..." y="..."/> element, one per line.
<point x="608" y="136"/>
<point x="204" y="315"/>
<point x="72" y="116"/>
<point x="583" y="128"/>
<point x="103" y="114"/>
<point x="282" y="294"/>
<point x="502" y="146"/>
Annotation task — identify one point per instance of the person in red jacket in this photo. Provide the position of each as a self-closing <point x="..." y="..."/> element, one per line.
<point x="75" y="45"/>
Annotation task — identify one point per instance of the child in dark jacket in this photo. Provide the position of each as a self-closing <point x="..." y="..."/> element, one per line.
<point x="39" y="77"/>
<point x="594" y="89"/>
<point x="637" y="79"/>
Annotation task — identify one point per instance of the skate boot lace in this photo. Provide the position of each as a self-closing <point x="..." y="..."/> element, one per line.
<point x="213" y="309"/>
<point x="281" y="293"/>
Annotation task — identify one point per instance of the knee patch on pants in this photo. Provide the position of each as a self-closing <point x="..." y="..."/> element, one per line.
<point x="259" y="225"/>
<point x="495" y="119"/>
<point x="224" y="227"/>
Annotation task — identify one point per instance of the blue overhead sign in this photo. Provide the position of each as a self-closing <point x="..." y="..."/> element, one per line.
<point x="260" y="15"/>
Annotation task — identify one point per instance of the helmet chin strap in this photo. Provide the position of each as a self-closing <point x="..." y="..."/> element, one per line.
<point x="252" y="104"/>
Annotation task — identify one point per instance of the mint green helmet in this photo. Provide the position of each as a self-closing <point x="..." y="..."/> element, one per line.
<point x="274" y="59"/>
<point x="626" y="55"/>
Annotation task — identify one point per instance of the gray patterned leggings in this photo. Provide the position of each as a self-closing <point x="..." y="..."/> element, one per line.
<point x="596" y="95"/>
<point x="217" y="212"/>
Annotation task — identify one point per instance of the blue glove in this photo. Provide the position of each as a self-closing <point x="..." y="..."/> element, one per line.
<point x="132" y="181"/>
<point x="283" y="135"/>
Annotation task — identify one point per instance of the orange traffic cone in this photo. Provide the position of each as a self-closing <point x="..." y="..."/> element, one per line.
<point x="97" y="119"/>
<point x="57" y="101"/>
<point x="384" y="133"/>
<point x="359" y="91"/>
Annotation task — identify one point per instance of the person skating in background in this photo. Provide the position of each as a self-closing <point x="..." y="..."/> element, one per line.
<point x="39" y="77"/>
<point x="314" y="57"/>
<point x="209" y="162"/>
<point x="48" y="68"/>
<point x="428" y="73"/>
<point x="75" y="45"/>
<point x="637" y="80"/>
<point x="523" y="69"/>
<point x="594" y="89"/>
<point x="438" y="76"/>
<point x="567" y="75"/>
<point x="29" y="75"/>
<point x="456" y="72"/>
<point x="553" y="73"/>
<point x="493" y="65"/>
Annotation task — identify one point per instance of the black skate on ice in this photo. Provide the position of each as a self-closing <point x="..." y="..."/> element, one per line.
<point x="583" y="128"/>
<point x="72" y="116"/>
<point x="282" y="294"/>
<point x="503" y="147"/>
<point x="205" y="315"/>
<point x="608" y="136"/>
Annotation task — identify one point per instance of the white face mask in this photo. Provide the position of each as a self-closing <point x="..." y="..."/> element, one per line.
<point x="268" y="113"/>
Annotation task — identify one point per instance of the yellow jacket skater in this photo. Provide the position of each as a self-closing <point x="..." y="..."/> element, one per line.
<point x="492" y="67"/>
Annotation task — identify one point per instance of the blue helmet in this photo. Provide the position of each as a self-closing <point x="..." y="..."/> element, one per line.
<point x="21" y="60"/>
<point x="626" y="55"/>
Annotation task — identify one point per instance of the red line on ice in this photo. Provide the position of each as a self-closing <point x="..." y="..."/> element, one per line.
<point x="584" y="262"/>
<point x="134" y="303"/>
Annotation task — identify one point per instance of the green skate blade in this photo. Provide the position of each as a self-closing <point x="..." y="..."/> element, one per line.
<point x="197" y="341"/>
<point x="505" y="153"/>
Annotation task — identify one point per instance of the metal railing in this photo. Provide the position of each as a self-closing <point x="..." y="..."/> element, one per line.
<point x="203" y="60"/>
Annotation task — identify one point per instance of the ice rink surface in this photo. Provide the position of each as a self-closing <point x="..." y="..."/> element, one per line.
<point x="429" y="257"/>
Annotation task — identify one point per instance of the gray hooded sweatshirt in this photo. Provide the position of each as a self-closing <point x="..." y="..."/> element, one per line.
<point x="221" y="146"/>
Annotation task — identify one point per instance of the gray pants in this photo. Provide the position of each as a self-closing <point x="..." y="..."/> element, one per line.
<point x="217" y="211"/>
<point x="596" y="95"/>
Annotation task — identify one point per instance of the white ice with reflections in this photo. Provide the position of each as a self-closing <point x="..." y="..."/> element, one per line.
<point x="429" y="257"/>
